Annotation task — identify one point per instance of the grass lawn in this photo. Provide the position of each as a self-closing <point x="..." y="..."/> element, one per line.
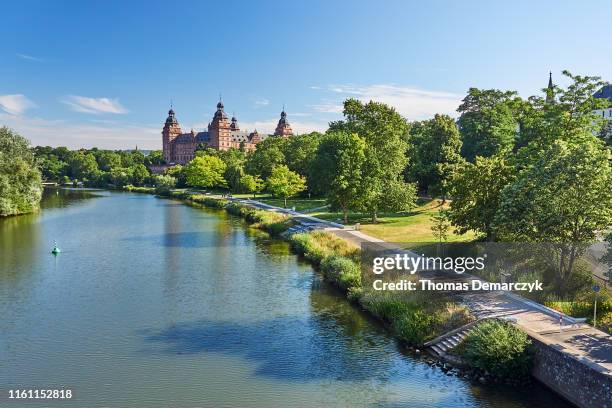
<point x="414" y="226"/>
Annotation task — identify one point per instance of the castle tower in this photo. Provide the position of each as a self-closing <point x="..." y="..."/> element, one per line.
<point x="219" y="130"/>
<point x="254" y="137"/>
<point x="550" y="91"/>
<point x="170" y="132"/>
<point x="283" y="128"/>
<point x="234" y="125"/>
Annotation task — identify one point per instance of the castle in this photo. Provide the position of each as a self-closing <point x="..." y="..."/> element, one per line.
<point x="222" y="134"/>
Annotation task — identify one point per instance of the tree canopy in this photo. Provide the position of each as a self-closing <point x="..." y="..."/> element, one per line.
<point x="20" y="178"/>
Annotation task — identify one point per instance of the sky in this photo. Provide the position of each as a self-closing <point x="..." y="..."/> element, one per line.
<point x="84" y="74"/>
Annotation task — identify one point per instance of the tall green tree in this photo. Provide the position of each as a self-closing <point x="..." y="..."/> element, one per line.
<point x="269" y="154"/>
<point x="435" y="154"/>
<point x="140" y="174"/>
<point x="251" y="184"/>
<point x="385" y="132"/>
<point x="83" y="166"/>
<point x="338" y="170"/>
<point x="476" y="194"/>
<point x="205" y="171"/>
<point x="563" y="197"/>
<point x="20" y="179"/>
<point x="108" y="160"/>
<point x="488" y="123"/>
<point x="300" y="151"/>
<point x="569" y="117"/>
<point x="285" y="183"/>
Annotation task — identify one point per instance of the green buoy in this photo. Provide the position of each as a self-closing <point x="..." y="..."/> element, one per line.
<point x="55" y="249"/>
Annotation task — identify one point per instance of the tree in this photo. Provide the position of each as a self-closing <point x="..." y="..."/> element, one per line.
<point x="440" y="224"/>
<point x="398" y="196"/>
<point x="435" y="154"/>
<point x="83" y="166"/>
<point x="108" y="160"/>
<point x="205" y="171"/>
<point x="605" y="133"/>
<point x="488" y="123"/>
<point x="251" y="184"/>
<point x="52" y="168"/>
<point x="385" y="132"/>
<point x="269" y="154"/>
<point x="233" y="174"/>
<point x="20" y="179"/>
<point x="476" y="194"/>
<point x="121" y="176"/>
<point x="178" y="173"/>
<point x="139" y="174"/>
<point x="570" y="117"/>
<point x="300" y="151"/>
<point x="337" y="168"/>
<point x="285" y="183"/>
<point x="562" y="197"/>
<point x="164" y="183"/>
<point x="155" y="158"/>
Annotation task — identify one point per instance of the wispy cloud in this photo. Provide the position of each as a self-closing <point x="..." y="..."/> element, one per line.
<point x="15" y="104"/>
<point x="413" y="103"/>
<point x="84" y="134"/>
<point x="30" y="58"/>
<point x="86" y="104"/>
<point x="327" y="107"/>
<point x="261" y="102"/>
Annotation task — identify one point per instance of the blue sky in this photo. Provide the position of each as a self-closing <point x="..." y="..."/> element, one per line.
<point x="85" y="74"/>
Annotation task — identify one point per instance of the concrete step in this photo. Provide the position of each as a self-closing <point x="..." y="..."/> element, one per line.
<point x="447" y="344"/>
<point x="438" y="350"/>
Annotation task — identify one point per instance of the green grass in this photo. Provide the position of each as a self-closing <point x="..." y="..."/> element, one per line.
<point x="414" y="226"/>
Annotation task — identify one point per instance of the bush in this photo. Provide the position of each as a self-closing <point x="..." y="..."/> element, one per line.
<point x="342" y="271"/>
<point x="415" y="327"/>
<point x="163" y="184"/>
<point x="499" y="348"/>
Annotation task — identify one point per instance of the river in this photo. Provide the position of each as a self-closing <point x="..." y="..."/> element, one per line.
<point x="154" y="303"/>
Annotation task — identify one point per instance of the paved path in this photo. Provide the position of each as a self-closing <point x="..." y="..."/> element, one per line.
<point x="578" y="339"/>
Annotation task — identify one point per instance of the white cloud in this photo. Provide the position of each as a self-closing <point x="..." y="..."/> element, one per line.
<point x="413" y="103"/>
<point x="15" y="104"/>
<point x="327" y="107"/>
<point x="75" y="135"/>
<point x="261" y="102"/>
<point x="30" y="58"/>
<point x="94" y="105"/>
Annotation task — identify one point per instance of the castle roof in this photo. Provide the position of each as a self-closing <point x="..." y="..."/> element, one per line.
<point x="604" y="93"/>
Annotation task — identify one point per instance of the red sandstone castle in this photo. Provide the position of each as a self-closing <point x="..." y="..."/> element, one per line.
<point x="222" y="134"/>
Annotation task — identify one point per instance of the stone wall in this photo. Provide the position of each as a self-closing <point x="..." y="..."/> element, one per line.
<point x="584" y="384"/>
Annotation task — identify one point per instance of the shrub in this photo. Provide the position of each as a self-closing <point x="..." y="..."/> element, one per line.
<point x="499" y="348"/>
<point x="163" y="184"/>
<point x="342" y="271"/>
<point x="414" y="327"/>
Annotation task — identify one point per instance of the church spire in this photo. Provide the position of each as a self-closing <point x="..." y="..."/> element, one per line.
<point x="550" y="90"/>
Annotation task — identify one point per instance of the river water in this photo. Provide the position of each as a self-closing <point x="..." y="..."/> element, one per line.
<point x="154" y="303"/>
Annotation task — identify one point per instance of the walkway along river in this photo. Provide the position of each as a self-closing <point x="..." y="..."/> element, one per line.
<point x="153" y="303"/>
